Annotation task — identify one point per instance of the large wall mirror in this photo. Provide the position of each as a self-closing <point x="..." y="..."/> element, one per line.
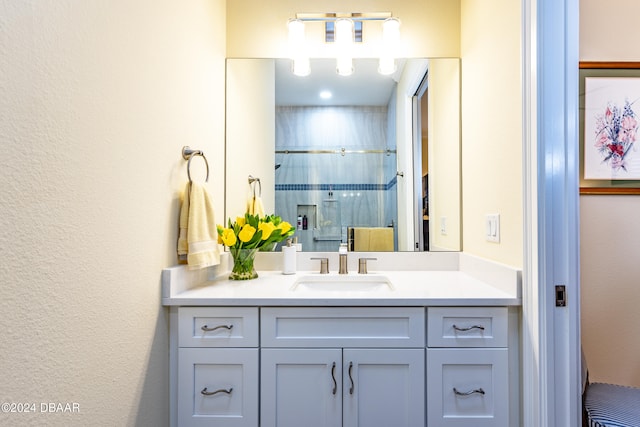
<point x="368" y="160"/>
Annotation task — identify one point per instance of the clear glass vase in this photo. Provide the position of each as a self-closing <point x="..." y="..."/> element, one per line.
<point x="243" y="268"/>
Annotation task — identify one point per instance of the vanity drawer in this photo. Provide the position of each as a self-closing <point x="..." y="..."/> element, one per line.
<point x="467" y="326"/>
<point x="218" y="327"/>
<point x="218" y="387"/>
<point x="467" y="387"/>
<point x="343" y="327"/>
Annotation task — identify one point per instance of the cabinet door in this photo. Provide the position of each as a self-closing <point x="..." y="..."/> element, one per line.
<point x="301" y="387"/>
<point x="383" y="387"/>
<point x="218" y="387"/>
<point x="468" y="387"/>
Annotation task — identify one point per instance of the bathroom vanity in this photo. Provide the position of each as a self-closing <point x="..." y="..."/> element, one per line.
<point x="437" y="346"/>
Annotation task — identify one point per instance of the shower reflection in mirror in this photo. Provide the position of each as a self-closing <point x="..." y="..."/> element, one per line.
<point x="337" y="167"/>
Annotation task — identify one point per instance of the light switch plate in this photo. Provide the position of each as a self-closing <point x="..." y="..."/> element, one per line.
<point x="492" y="228"/>
<point x="443" y="225"/>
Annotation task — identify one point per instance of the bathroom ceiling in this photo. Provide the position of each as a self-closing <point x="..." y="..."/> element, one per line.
<point x="364" y="87"/>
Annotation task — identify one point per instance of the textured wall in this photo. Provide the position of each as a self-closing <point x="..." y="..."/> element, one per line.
<point x="444" y="152"/>
<point x="608" y="226"/>
<point x="492" y="127"/>
<point x="250" y="94"/>
<point x="96" y="100"/>
<point x="618" y="45"/>
<point x="609" y="287"/>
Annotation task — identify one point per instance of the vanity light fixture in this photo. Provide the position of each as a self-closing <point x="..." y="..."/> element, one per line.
<point x="301" y="66"/>
<point x="300" y="61"/>
<point x="325" y="94"/>
<point x="344" y="45"/>
<point x="390" y="41"/>
<point x="344" y="29"/>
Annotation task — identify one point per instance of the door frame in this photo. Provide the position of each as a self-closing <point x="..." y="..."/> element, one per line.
<point x="550" y="334"/>
<point x="416" y="145"/>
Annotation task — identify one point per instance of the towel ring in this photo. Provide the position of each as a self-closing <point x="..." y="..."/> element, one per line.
<point x="188" y="154"/>
<point x="251" y="181"/>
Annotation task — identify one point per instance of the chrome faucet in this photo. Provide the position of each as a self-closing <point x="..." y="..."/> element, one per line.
<point x="342" y="252"/>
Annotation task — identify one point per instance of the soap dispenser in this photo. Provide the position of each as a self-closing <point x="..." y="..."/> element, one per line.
<point x="288" y="258"/>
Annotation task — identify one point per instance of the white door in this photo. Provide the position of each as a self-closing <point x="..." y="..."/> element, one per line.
<point x="301" y="387"/>
<point x="383" y="387"/>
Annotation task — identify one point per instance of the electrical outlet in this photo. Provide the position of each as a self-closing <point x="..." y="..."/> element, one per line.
<point x="492" y="228"/>
<point x="443" y="225"/>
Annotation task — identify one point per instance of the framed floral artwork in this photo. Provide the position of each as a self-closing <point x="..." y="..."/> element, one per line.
<point x="609" y="128"/>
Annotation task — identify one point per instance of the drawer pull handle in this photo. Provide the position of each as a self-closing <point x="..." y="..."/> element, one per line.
<point x="211" y="393"/>
<point x="333" y="377"/>
<point x="458" y="328"/>
<point x="215" y="328"/>
<point x="468" y="393"/>
<point x="351" y="378"/>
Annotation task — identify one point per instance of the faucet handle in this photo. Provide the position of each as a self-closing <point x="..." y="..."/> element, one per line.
<point x="324" y="265"/>
<point x="362" y="264"/>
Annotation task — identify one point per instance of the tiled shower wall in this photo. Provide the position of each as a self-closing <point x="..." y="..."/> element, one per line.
<point x="335" y="191"/>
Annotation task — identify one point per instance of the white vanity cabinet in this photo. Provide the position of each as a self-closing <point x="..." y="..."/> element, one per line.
<point x="351" y="366"/>
<point x="468" y="363"/>
<point x="217" y="366"/>
<point x="333" y="366"/>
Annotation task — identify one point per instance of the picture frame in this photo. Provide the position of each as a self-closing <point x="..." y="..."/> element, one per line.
<point x="609" y="154"/>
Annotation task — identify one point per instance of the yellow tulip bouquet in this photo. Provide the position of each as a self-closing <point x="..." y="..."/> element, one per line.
<point x="249" y="234"/>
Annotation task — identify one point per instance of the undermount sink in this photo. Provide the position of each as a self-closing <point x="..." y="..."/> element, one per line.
<point x="343" y="283"/>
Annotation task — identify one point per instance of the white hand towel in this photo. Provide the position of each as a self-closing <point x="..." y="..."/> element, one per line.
<point x="254" y="206"/>
<point x="198" y="237"/>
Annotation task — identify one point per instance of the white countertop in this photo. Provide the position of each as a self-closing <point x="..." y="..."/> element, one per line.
<point x="272" y="288"/>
